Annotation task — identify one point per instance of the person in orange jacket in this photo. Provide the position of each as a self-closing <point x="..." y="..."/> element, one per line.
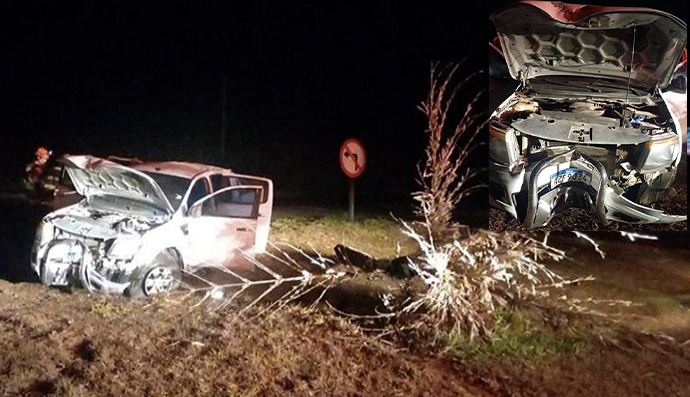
<point x="35" y="170"/>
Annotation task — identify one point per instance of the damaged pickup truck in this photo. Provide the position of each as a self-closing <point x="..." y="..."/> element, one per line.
<point x="139" y="228"/>
<point x="587" y="126"/>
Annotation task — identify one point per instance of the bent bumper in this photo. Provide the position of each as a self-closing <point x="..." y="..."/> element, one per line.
<point x="528" y="196"/>
<point x="622" y="209"/>
<point x="56" y="269"/>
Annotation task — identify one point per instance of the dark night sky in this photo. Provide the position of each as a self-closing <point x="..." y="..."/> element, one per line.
<point x="69" y="62"/>
<point x="121" y="77"/>
<point x="145" y="80"/>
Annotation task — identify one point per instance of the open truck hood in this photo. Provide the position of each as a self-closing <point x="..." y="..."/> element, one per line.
<point x="541" y="38"/>
<point x="95" y="176"/>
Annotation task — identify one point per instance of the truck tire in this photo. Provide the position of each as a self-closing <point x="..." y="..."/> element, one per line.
<point x="162" y="275"/>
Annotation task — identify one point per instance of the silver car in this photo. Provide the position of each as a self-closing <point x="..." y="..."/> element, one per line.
<point x="588" y="125"/>
<point x="138" y="228"/>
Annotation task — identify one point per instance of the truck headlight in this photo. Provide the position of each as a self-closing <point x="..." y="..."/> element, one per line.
<point x="503" y="146"/>
<point x="124" y="247"/>
<point x="663" y="150"/>
<point x="43" y="236"/>
<point x="43" y="232"/>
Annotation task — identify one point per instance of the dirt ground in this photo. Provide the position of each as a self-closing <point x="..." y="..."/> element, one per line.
<point x="72" y="344"/>
<point x="78" y="345"/>
<point x="638" y="366"/>
<point x="60" y="343"/>
<point x="675" y="203"/>
<point x="651" y="275"/>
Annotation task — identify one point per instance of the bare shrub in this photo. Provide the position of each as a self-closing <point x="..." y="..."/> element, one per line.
<point x="452" y="137"/>
<point x="468" y="280"/>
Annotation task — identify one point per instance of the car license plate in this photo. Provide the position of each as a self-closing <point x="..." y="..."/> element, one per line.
<point x="570" y="175"/>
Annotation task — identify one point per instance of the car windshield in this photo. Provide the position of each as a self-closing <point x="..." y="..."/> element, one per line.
<point x="174" y="187"/>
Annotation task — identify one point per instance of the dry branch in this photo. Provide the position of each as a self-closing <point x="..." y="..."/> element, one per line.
<point x="444" y="178"/>
<point x="225" y="286"/>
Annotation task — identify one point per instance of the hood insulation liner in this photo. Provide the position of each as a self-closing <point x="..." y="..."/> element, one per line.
<point x="551" y="38"/>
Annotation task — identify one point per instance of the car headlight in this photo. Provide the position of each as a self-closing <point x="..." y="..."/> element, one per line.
<point x="43" y="232"/>
<point x="43" y="236"/>
<point x="503" y="146"/>
<point x="37" y="243"/>
<point x="124" y="247"/>
<point x="663" y="150"/>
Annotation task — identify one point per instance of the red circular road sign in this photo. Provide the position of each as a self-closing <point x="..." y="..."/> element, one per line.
<point x="353" y="158"/>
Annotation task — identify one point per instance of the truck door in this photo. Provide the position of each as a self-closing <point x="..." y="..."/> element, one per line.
<point x="222" y="227"/>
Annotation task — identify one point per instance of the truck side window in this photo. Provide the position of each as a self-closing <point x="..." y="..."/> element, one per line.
<point x="236" y="203"/>
<point x="199" y="191"/>
<point x="219" y="181"/>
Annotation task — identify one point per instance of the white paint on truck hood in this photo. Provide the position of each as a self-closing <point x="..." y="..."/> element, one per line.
<point x="95" y="176"/>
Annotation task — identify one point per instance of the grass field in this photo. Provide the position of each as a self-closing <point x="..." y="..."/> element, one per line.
<point x="317" y="229"/>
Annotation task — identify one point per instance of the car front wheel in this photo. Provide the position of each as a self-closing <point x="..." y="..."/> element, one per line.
<point x="161" y="276"/>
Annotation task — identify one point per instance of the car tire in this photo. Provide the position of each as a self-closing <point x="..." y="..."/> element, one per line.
<point x="162" y="275"/>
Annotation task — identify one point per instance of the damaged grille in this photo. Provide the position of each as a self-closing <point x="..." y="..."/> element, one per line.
<point x="607" y="157"/>
<point x="93" y="245"/>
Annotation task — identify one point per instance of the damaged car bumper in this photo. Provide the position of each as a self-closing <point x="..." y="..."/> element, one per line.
<point x="533" y="193"/>
<point x="66" y="261"/>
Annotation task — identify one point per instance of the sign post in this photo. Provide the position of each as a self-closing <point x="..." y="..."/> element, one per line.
<point x="353" y="159"/>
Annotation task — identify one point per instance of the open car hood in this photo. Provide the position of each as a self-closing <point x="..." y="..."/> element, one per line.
<point x="542" y="38"/>
<point x="95" y="176"/>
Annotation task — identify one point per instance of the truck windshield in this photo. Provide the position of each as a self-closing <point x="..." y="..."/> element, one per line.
<point x="174" y="187"/>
